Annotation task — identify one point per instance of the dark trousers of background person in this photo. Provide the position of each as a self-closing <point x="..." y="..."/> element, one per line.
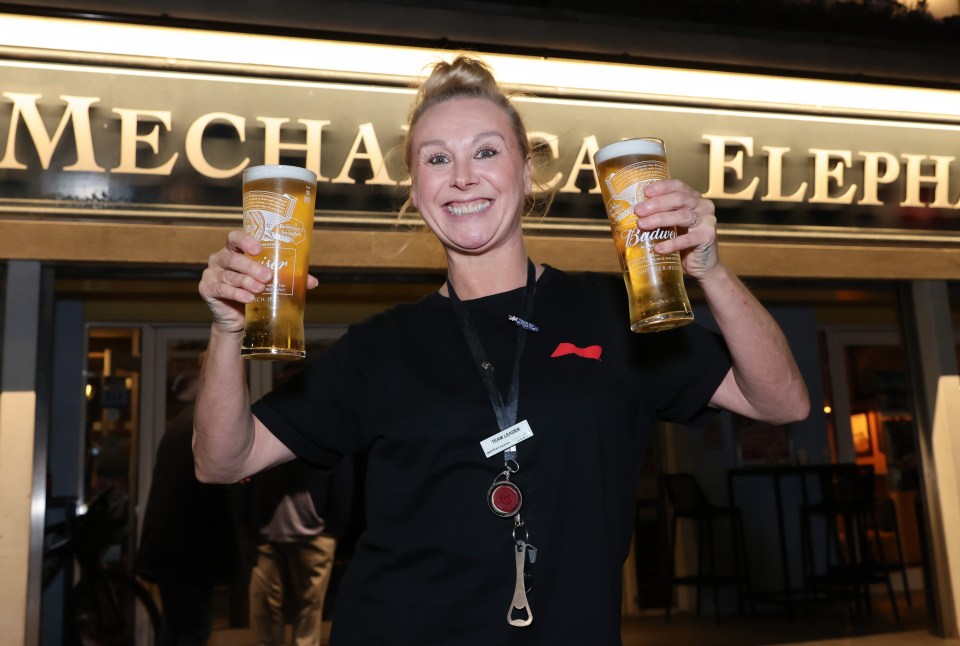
<point x="307" y="565"/>
<point x="187" y="612"/>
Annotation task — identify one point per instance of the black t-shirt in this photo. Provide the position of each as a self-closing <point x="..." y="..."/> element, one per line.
<point x="435" y="565"/>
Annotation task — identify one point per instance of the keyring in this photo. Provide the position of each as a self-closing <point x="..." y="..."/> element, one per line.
<point x="519" y="524"/>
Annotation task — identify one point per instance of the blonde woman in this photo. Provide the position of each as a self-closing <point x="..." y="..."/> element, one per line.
<point x="520" y="539"/>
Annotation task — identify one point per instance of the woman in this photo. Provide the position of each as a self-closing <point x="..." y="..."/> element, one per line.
<point x="448" y="556"/>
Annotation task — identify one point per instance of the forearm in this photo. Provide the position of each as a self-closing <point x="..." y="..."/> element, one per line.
<point x="223" y="426"/>
<point x="767" y="383"/>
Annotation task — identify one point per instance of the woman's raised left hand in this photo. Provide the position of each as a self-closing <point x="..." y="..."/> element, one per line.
<point x="671" y="203"/>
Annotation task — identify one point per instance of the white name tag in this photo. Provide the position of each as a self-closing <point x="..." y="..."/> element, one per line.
<point x="506" y="438"/>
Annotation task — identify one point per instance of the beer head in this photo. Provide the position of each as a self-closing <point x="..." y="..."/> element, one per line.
<point x="277" y="171"/>
<point x="640" y="146"/>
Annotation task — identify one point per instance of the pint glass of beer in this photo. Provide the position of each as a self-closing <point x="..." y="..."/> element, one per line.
<point x="657" y="297"/>
<point x="278" y="212"/>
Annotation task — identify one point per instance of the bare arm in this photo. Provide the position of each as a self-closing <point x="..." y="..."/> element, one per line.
<point x="764" y="382"/>
<point x="229" y="443"/>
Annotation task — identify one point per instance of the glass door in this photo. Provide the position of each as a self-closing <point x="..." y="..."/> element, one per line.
<point x="172" y="359"/>
<point x="173" y="362"/>
<point x="873" y="426"/>
<point x="113" y="432"/>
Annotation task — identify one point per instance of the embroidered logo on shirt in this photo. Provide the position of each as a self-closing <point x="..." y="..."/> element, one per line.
<point x="589" y="352"/>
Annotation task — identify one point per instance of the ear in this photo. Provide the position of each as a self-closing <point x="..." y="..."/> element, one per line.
<point x="413" y="196"/>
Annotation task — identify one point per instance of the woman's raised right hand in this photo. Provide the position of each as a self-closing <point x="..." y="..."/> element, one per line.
<point x="232" y="279"/>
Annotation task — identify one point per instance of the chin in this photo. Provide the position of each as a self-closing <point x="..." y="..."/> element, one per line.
<point x="472" y="250"/>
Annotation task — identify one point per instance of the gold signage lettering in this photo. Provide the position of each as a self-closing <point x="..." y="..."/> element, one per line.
<point x="129" y="140"/>
<point x="775" y="177"/>
<point x="733" y="173"/>
<point x="940" y="179"/>
<point x="272" y="144"/>
<point x="718" y="165"/>
<point x="872" y="177"/>
<point x="584" y="161"/>
<point x="77" y="112"/>
<point x="553" y="143"/>
<point x="368" y="137"/>
<point x="194" y="144"/>
<point x="823" y="173"/>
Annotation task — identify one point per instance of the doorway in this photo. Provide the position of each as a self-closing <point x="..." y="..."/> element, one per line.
<point x="172" y="358"/>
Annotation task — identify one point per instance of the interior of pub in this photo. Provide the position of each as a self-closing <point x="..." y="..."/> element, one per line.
<point x="862" y="402"/>
<point x="833" y="168"/>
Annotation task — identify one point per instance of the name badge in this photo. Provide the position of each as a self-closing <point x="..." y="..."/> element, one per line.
<point x="506" y="438"/>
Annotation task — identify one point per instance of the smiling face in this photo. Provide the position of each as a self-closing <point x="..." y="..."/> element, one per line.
<point x="469" y="175"/>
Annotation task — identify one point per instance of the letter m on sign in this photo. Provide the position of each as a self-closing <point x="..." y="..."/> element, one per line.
<point x="76" y="113"/>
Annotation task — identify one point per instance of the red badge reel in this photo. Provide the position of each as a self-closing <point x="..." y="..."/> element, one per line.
<point x="504" y="497"/>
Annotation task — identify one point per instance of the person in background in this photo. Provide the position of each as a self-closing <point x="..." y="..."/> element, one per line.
<point x="447" y="556"/>
<point x="187" y="545"/>
<point x="293" y="512"/>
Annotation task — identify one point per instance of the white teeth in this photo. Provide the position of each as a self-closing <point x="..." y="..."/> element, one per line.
<point x="467" y="209"/>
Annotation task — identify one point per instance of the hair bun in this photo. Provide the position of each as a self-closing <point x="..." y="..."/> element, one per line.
<point x="461" y="77"/>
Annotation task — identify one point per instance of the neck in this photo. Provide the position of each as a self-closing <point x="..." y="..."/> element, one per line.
<point x="487" y="274"/>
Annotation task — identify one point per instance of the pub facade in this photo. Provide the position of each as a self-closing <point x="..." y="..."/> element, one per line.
<point x="838" y="202"/>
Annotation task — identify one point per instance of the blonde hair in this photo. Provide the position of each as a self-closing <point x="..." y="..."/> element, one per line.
<point x="466" y="77"/>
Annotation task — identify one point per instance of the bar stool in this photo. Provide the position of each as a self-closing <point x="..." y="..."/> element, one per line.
<point x="887" y="512"/>
<point x="688" y="501"/>
<point x="849" y="508"/>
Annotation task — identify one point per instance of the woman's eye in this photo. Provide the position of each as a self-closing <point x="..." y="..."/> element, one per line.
<point x="437" y="159"/>
<point x="486" y="153"/>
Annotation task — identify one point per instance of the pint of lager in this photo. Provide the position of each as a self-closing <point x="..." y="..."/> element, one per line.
<point x="658" y="299"/>
<point x="278" y="212"/>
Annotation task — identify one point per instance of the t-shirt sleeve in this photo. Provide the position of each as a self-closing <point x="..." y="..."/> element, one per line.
<point x="690" y="362"/>
<point x="317" y="413"/>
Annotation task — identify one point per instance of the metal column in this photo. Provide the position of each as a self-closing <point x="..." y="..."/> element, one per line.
<point x="23" y="425"/>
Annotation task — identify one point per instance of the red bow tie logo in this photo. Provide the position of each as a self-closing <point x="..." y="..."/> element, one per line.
<point x="589" y="352"/>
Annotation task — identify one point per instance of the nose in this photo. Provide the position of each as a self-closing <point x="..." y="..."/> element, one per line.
<point x="463" y="175"/>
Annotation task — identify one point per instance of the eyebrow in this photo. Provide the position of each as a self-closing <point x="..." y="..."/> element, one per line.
<point x="482" y="135"/>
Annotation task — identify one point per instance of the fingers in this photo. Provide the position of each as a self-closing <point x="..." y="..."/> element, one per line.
<point x="231" y="275"/>
<point x="671" y="203"/>
<point x="670" y="198"/>
<point x="240" y="241"/>
<point x="234" y="266"/>
<point x="232" y="279"/>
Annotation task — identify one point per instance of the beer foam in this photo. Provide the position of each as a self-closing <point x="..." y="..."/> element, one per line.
<point x="255" y="173"/>
<point x="630" y="147"/>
